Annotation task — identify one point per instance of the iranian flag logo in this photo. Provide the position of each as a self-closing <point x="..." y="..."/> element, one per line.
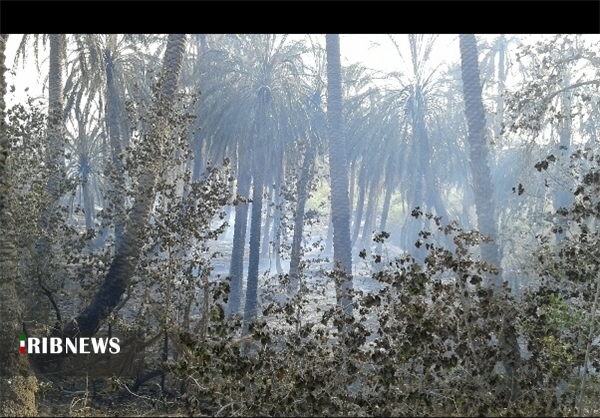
<point x="22" y="343"/>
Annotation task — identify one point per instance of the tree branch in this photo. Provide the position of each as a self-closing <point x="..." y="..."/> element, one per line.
<point x="572" y="86"/>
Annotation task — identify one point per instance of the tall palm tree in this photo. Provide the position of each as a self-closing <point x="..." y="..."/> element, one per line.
<point x="111" y="67"/>
<point x="252" y="95"/>
<point x="57" y="57"/>
<point x="421" y="91"/>
<point x="338" y="169"/>
<point x="236" y="270"/>
<point x="315" y="133"/>
<point x="483" y="189"/>
<point x="478" y="151"/>
<point x="225" y="132"/>
<point x="17" y="381"/>
<point x="258" y="175"/>
<point x="275" y="100"/>
<point x="56" y="145"/>
<point x="56" y="123"/>
<point x="84" y="143"/>
<point x="357" y="96"/>
<point x="302" y="189"/>
<point x="121" y="270"/>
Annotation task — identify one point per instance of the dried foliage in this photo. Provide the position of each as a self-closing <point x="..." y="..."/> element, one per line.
<point x="431" y="338"/>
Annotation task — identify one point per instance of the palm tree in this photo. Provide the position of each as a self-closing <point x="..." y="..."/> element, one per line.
<point x="398" y="137"/>
<point x="302" y="189"/>
<point x="225" y="132"/>
<point x="17" y="381"/>
<point x="357" y="96"/>
<point x="236" y="271"/>
<point x="122" y="267"/>
<point x="315" y="133"/>
<point x="56" y="145"/>
<point x="258" y="174"/>
<point x="56" y="126"/>
<point x="422" y="93"/>
<point x="57" y="57"/>
<point x="85" y="145"/>
<point x="482" y="188"/>
<point x="252" y="95"/>
<point x="111" y="67"/>
<point x="275" y="100"/>
<point x="478" y="158"/>
<point x="338" y="168"/>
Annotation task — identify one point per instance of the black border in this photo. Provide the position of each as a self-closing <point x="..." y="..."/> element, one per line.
<point x="480" y="17"/>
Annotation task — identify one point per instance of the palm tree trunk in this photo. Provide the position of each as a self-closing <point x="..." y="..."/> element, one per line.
<point x="478" y="156"/>
<point x="367" y="233"/>
<point x="56" y="138"/>
<point x="236" y="271"/>
<point x="302" y="188"/>
<point x="258" y="162"/>
<point x="55" y="114"/>
<point x="389" y="190"/>
<point x="329" y="239"/>
<point x="115" y="141"/>
<point x="269" y="213"/>
<point x="55" y="158"/>
<point x="88" y="200"/>
<point x="482" y="188"/>
<point x="122" y="267"/>
<point x="17" y="381"/>
<point x="352" y="184"/>
<point x="432" y="198"/>
<point x="338" y="170"/>
<point x="501" y="86"/>
<point x="279" y="209"/>
<point x="360" y="204"/>
<point x="255" y="230"/>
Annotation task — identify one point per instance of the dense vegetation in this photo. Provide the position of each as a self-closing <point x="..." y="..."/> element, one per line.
<point x="269" y="232"/>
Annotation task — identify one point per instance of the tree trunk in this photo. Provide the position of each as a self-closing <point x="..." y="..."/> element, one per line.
<point x="56" y="153"/>
<point x="236" y="271"/>
<point x="352" y="184"/>
<point x="88" y="199"/>
<point x="17" y="381"/>
<point x="432" y="197"/>
<point x="269" y="213"/>
<point x="501" y="87"/>
<point x="329" y="239"/>
<point x="563" y="198"/>
<point x="389" y="190"/>
<point x="478" y="156"/>
<point x="360" y="204"/>
<point x="118" y="277"/>
<point x="56" y="124"/>
<point x="302" y="188"/>
<point x="483" y="189"/>
<point x="115" y="141"/>
<point x="258" y="163"/>
<point x="338" y="169"/>
<point x="277" y="215"/>
<point x="367" y="233"/>
<point x="255" y="230"/>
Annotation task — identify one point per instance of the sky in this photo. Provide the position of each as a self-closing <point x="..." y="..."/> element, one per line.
<point x="378" y="51"/>
<point x="374" y="51"/>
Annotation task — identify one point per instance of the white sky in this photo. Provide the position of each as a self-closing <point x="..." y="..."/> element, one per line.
<point x="378" y="52"/>
<point x="374" y="51"/>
